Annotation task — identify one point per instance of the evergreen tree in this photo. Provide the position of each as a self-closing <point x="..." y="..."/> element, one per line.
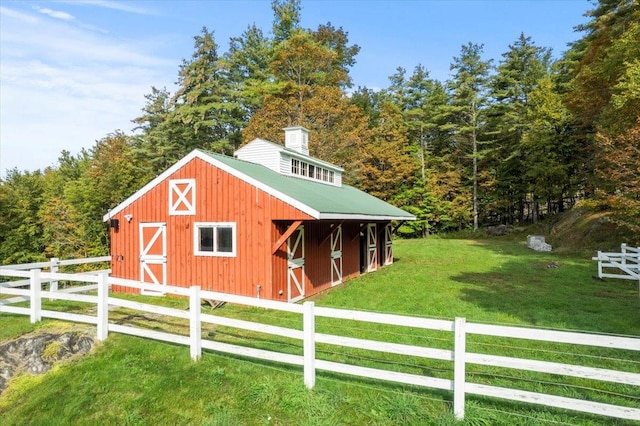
<point x="247" y="62"/>
<point x="519" y="73"/>
<point x="286" y="19"/>
<point x="465" y="113"/>
<point x="203" y="104"/>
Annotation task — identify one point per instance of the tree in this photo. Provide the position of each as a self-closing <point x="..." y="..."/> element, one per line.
<point x="158" y="145"/>
<point x="247" y="62"/>
<point x="203" y="104"/>
<point x="338" y="128"/>
<point x="421" y="100"/>
<point x="286" y="19"/>
<point x="553" y="159"/>
<point x="518" y="74"/>
<point x="388" y="165"/>
<point x="605" y="100"/>
<point x="336" y="40"/>
<point x="465" y="112"/>
<point x="21" y="195"/>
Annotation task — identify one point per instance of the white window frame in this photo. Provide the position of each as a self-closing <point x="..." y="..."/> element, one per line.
<point x="196" y="238"/>
<point x="311" y="171"/>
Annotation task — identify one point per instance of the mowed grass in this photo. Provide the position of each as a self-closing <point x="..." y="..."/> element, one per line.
<point x="134" y="381"/>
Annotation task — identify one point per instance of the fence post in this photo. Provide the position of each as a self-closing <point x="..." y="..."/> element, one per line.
<point x="102" y="315"/>
<point x="309" y="344"/>
<point x="599" y="264"/>
<point x="623" y="249"/>
<point x="54" y="268"/>
<point x="35" y="286"/>
<point x="195" y="326"/>
<point x="459" y="351"/>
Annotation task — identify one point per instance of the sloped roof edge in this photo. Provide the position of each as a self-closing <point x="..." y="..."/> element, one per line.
<point x="319" y="211"/>
<point x="196" y="153"/>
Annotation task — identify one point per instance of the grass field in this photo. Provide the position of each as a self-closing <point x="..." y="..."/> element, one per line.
<point x="134" y="381"/>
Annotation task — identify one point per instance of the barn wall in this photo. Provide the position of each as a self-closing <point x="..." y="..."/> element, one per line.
<point x="279" y="269"/>
<point x="318" y="255"/>
<point x="351" y="250"/>
<point x="220" y="197"/>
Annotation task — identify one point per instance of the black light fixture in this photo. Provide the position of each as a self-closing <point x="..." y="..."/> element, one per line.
<point x="115" y="224"/>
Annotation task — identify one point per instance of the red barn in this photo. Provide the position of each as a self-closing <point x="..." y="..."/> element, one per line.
<point x="272" y="222"/>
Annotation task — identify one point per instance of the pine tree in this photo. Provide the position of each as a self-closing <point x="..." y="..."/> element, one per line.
<point x="465" y="113"/>
<point x="518" y="74"/>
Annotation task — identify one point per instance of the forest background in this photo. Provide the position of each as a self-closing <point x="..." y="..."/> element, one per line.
<point x="503" y="141"/>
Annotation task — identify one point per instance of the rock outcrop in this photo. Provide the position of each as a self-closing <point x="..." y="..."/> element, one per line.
<point x="37" y="353"/>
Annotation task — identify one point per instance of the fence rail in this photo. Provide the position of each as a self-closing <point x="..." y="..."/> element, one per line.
<point x="625" y="264"/>
<point x="459" y="330"/>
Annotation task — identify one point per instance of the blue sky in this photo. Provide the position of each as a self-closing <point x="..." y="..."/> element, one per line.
<point x="73" y="71"/>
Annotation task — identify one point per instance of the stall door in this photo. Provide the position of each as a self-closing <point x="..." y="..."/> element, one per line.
<point x="153" y="256"/>
<point x="388" y="245"/>
<point x="372" y="247"/>
<point x="336" y="256"/>
<point x="295" y="261"/>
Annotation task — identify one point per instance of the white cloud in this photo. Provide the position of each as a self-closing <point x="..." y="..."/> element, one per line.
<point x="54" y="13"/>
<point x="23" y="17"/>
<point x="114" y="5"/>
<point x="62" y="87"/>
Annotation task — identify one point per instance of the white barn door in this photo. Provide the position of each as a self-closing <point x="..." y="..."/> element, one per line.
<point x="336" y="256"/>
<point x="295" y="262"/>
<point x="388" y="245"/>
<point x="372" y="247"/>
<point x="153" y="255"/>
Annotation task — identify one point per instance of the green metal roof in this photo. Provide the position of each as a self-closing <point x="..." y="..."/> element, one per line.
<point x="331" y="202"/>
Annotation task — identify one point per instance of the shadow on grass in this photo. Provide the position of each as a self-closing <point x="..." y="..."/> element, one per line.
<point x="547" y="290"/>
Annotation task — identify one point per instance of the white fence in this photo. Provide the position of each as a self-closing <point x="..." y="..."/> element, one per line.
<point x="626" y="264"/>
<point x="458" y="329"/>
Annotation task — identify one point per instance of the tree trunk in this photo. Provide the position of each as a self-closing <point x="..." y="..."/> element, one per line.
<point x="475" y="171"/>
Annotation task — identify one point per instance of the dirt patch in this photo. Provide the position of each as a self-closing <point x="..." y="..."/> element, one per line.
<point x="547" y="265"/>
<point x="37" y="353"/>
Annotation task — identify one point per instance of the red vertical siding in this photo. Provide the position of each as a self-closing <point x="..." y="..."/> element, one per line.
<point x="261" y="220"/>
<point x="220" y="197"/>
<point x="351" y="250"/>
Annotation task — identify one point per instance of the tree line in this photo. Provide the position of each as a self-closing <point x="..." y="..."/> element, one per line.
<point x="503" y="141"/>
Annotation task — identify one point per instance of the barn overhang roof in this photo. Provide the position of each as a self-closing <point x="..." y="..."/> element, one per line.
<point x="318" y="200"/>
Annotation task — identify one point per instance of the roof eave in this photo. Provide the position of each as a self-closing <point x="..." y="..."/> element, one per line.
<point x="360" y="216"/>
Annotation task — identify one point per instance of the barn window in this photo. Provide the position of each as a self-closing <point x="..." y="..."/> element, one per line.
<point x="215" y="239"/>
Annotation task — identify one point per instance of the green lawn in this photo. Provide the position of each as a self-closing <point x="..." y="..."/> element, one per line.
<point x="134" y="381"/>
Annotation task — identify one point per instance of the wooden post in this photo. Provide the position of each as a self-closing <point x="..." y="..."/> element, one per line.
<point x="599" y="264"/>
<point x="623" y="249"/>
<point x="195" y="326"/>
<point x="102" y="314"/>
<point x="459" y="352"/>
<point x="35" y="286"/>
<point x="309" y="344"/>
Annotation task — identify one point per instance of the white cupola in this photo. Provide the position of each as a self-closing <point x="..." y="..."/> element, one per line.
<point x="297" y="138"/>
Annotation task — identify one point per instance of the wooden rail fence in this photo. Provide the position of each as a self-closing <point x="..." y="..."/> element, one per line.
<point x="99" y="284"/>
<point x="625" y="263"/>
